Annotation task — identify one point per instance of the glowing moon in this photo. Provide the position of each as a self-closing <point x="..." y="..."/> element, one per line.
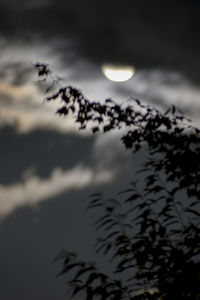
<point x="117" y="73"/>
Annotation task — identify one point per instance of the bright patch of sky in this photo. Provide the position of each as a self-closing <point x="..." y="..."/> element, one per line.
<point x="21" y="97"/>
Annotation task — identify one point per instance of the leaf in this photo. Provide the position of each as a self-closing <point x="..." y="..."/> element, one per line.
<point x="108" y="101"/>
<point x="192" y="211"/>
<point x="107" y="128"/>
<point x="95" y="129"/>
<point x="112" y="234"/>
<point x="133" y="197"/>
<point x="62" y="111"/>
<point x="77" y="289"/>
<point x="69" y="267"/>
<point x="83" y="271"/>
<point x="93" y="276"/>
<point x="102" y="224"/>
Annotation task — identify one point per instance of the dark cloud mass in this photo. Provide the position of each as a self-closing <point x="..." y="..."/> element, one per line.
<point x="48" y="149"/>
<point x="142" y="33"/>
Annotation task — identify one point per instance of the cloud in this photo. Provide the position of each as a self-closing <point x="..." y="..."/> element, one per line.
<point x="21" y="98"/>
<point x="162" y="88"/>
<point x="21" y="107"/>
<point x="137" y="32"/>
<point x="33" y="190"/>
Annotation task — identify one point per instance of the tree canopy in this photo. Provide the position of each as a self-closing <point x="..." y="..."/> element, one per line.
<point x="151" y="230"/>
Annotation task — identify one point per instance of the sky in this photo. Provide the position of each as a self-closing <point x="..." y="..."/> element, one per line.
<point x="47" y="167"/>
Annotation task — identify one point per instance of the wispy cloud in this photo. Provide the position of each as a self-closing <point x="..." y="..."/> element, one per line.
<point x="22" y="107"/>
<point x="163" y="88"/>
<point x="33" y="190"/>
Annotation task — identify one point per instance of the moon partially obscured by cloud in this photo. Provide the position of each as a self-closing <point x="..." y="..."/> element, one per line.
<point x="118" y="73"/>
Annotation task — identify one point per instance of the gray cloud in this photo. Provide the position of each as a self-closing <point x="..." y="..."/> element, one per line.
<point x="34" y="190"/>
<point x="21" y="104"/>
<point x="146" y="35"/>
<point x="76" y="37"/>
<point x="163" y="89"/>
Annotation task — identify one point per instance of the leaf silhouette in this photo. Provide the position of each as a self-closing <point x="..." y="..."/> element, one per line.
<point x="152" y="238"/>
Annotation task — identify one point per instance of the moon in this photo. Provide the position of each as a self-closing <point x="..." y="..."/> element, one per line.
<point x="117" y="73"/>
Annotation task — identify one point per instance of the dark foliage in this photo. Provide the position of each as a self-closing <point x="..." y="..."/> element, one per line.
<point x="151" y="231"/>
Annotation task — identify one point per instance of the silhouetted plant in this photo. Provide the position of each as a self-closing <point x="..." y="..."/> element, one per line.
<point x="151" y="231"/>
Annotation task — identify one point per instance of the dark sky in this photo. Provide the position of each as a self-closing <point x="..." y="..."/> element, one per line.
<point x="144" y="33"/>
<point x="47" y="168"/>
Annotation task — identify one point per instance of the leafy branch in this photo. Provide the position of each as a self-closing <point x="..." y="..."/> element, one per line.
<point x="152" y="237"/>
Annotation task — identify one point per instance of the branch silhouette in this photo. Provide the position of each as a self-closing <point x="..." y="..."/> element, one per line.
<point x="151" y="230"/>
